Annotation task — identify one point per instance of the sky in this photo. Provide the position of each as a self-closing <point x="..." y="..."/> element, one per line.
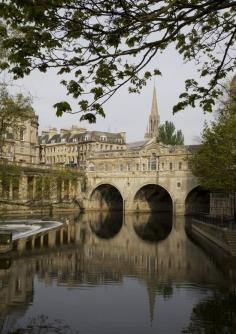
<point x="124" y="112"/>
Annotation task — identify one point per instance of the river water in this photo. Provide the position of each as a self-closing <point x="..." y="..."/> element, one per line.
<point x="105" y="273"/>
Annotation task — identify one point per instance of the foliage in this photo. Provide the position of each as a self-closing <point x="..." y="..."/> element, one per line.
<point x="14" y="111"/>
<point x="214" y="315"/>
<point x="105" y="44"/>
<point x="9" y="173"/>
<point x="215" y="161"/>
<point x="169" y="136"/>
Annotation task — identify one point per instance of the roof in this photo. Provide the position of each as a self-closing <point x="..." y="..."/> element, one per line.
<point x="137" y="144"/>
<point x="79" y="137"/>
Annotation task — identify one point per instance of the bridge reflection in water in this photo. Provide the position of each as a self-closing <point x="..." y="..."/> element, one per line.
<point x="104" y="273"/>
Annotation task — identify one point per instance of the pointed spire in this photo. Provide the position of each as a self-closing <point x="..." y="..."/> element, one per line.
<point x="154" y="110"/>
<point x="154" y="118"/>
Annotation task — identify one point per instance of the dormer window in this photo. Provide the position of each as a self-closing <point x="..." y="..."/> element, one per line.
<point x="63" y="140"/>
<point x="86" y="138"/>
<point x="53" y="141"/>
<point x="103" y="138"/>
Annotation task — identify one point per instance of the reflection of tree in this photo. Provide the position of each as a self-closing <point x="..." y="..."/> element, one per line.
<point x="214" y="315"/>
<point x="42" y="325"/>
<point x="166" y="290"/>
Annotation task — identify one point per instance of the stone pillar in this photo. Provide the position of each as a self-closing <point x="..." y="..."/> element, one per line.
<point x="53" y="189"/>
<point x="52" y="239"/>
<point x="23" y="188"/>
<point x="178" y="207"/>
<point x="21" y="245"/>
<point x="10" y="189"/>
<point x="62" y="189"/>
<point x="34" y="187"/>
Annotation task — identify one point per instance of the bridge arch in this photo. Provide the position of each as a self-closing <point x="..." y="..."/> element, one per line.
<point x="152" y="197"/>
<point x="197" y="201"/>
<point x="106" y="196"/>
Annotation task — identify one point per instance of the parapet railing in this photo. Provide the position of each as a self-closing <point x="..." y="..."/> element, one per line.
<point x="220" y="221"/>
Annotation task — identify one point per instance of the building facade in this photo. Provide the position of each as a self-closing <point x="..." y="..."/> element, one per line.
<point x="22" y="145"/>
<point x="73" y="146"/>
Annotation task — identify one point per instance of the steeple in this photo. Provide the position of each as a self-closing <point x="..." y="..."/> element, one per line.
<point x="154" y="119"/>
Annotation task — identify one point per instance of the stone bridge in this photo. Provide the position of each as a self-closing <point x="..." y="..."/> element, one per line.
<point x="177" y="191"/>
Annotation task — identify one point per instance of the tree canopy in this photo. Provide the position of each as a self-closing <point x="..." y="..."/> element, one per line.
<point x="215" y="160"/>
<point x="105" y="44"/>
<point x="169" y="136"/>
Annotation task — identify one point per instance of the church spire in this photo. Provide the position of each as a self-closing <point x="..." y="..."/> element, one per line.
<point x="154" y="119"/>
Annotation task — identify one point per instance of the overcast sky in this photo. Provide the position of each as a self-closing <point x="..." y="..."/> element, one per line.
<point x="124" y="112"/>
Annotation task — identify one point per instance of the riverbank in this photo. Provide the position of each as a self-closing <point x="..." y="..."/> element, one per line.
<point x="222" y="238"/>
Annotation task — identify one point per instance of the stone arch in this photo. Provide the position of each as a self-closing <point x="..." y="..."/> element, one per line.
<point x="197" y="201"/>
<point x="106" y="196"/>
<point x="152" y="197"/>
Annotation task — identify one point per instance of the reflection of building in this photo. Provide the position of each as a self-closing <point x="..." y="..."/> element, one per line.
<point x="22" y="145"/>
<point x="96" y="262"/>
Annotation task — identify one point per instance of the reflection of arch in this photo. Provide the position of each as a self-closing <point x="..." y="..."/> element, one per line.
<point x="153" y="226"/>
<point x="197" y="201"/>
<point x="106" y="225"/>
<point x="153" y="197"/>
<point x="106" y="197"/>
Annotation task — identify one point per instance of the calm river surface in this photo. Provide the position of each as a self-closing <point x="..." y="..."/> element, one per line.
<point x="103" y="273"/>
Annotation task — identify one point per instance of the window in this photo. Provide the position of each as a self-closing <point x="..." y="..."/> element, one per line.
<point x="180" y="165"/>
<point x="152" y="163"/>
<point x="121" y="167"/>
<point x="74" y="140"/>
<point x="171" y="166"/>
<point x="128" y="167"/>
<point x="137" y="166"/>
<point x="21" y="134"/>
<point x="144" y="167"/>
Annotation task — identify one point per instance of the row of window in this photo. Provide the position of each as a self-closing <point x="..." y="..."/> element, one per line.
<point x="87" y="147"/>
<point x="85" y="138"/>
<point x="152" y="164"/>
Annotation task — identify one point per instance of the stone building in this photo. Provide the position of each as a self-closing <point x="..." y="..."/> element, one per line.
<point x="97" y="141"/>
<point x="60" y="147"/>
<point x="22" y="146"/>
<point x="73" y="146"/>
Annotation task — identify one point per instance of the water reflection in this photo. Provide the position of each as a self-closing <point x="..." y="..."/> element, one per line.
<point x="105" y="224"/>
<point x="153" y="227"/>
<point x="98" y="279"/>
